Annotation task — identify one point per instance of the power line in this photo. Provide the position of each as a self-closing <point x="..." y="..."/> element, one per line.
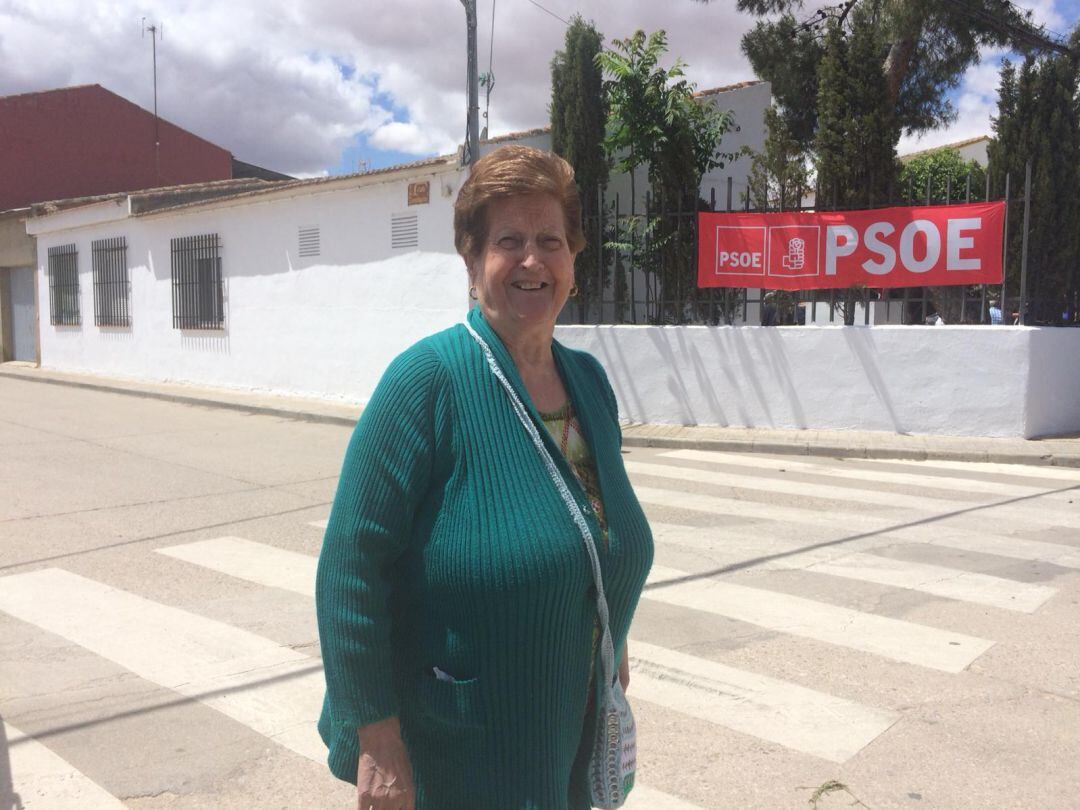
<point x="549" y="11"/>
<point x="1035" y="37"/>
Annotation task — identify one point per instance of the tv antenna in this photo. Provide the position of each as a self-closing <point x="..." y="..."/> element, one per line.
<point x="156" y="30"/>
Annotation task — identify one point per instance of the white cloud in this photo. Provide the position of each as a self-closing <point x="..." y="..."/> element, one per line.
<point x="402" y="137"/>
<point x="264" y="78"/>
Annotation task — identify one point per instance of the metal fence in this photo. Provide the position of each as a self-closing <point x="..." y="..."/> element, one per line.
<point x="198" y="300"/>
<point x="641" y="268"/>
<point x="64" y="286"/>
<point x="111" y="288"/>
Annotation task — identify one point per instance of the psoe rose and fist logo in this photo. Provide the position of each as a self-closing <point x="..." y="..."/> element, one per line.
<point x="772" y="250"/>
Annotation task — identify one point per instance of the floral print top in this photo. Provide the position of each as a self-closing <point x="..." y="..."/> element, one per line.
<point x="566" y="430"/>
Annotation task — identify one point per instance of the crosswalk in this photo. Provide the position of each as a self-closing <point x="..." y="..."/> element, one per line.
<point x="717" y="517"/>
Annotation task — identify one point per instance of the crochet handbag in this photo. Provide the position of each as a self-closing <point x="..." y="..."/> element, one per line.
<point x="614" y="753"/>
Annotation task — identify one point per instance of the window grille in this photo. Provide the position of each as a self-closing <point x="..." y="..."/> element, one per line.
<point x="64" y="286"/>
<point x="111" y="288"/>
<point x="309" y="241"/>
<point x="404" y="231"/>
<point x="198" y="300"/>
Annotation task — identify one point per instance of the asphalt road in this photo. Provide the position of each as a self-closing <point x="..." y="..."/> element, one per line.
<point x="905" y="629"/>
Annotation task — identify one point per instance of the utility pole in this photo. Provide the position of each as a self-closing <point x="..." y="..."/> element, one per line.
<point x="472" y="128"/>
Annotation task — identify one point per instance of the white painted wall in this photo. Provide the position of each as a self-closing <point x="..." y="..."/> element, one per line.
<point x="749" y="105"/>
<point x="951" y="380"/>
<point x="320" y="327"/>
<point x="1053" y="405"/>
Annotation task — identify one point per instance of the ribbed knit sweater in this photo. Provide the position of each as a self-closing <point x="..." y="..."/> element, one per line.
<point x="449" y="547"/>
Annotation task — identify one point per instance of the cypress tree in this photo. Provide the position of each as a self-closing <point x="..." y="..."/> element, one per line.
<point x="857" y="131"/>
<point x="578" y="116"/>
<point x="830" y="142"/>
<point x="1038" y="119"/>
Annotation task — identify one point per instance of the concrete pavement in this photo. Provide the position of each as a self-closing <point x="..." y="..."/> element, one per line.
<point x="905" y="628"/>
<point x="1063" y="451"/>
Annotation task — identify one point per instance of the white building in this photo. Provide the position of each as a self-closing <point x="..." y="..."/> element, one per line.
<point x="307" y="287"/>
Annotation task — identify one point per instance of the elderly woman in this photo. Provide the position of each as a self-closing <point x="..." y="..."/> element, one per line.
<point x="457" y="610"/>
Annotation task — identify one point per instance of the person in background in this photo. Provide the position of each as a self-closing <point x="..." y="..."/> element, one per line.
<point x="770" y="315"/>
<point x="455" y="600"/>
<point x="995" y="312"/>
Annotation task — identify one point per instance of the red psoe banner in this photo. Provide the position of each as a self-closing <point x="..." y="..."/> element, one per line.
<point x="885" y="247"/>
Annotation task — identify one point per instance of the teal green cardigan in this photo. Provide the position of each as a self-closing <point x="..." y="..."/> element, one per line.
<point x="449" y="547"/>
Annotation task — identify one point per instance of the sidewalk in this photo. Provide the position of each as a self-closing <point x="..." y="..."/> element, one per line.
<point x="1064" y="452"/>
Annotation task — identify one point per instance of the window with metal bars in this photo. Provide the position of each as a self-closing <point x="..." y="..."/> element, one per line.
<point x="111" y="288"/>
<point x="64" y="286"/>
<point x="198" y="296"/>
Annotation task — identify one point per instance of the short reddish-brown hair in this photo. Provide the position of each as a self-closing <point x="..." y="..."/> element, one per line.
<point x="511" y="171"/>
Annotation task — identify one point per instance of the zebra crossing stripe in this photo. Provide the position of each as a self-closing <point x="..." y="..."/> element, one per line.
<point x="643" y="797"/>
<point x="1070" y="475"/>
<point x="962" y="586"/>
<point x="263" y="685"/>
<point x="1001" y="515"/>
<point x="793" y="716"/>
<point x="733" y="547"/>
<point x="860" y="472"/>
<point x="40" y="779"/>
<point x="855" y="523"/>
<point x="254" y="562"/>
<point x="891" y="638"/>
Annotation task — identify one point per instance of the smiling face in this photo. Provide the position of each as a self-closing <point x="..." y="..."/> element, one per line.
<point x="525" y="270"/>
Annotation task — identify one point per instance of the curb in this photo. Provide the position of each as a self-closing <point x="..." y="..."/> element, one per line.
<point x="795" y="448"/>
<point x="850" y="451"/>
<point x="190" y="399"/>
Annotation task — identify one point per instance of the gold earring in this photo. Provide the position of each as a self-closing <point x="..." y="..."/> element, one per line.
<point x="472" y="293"/>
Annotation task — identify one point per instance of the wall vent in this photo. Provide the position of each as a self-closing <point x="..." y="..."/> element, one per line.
<point x="309" y="240"/>
<point x="404" y="231"/>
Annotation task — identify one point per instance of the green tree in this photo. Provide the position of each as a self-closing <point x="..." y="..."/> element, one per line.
<point x="1039" y="120"/>
<point x="578" y="125"/>
<point x="927" y="45"/>
<point x="948" y="175"/>
<point x="655" y="121"/>
<point x="855" y="143"/>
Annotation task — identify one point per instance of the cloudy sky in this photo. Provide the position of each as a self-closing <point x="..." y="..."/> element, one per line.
<point x="318" y="86"/>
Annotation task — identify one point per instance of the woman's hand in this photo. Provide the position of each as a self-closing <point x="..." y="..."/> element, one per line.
<point x="624" y="667"/>
<point x="384" y="779"/>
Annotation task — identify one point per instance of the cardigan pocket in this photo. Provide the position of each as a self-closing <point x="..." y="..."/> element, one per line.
<point x="453" y="702"/>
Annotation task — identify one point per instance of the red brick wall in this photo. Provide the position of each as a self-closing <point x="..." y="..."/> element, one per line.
<point x="83" y="141"/>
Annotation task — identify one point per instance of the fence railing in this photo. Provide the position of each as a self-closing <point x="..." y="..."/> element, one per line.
<point x="641" y="268"/>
